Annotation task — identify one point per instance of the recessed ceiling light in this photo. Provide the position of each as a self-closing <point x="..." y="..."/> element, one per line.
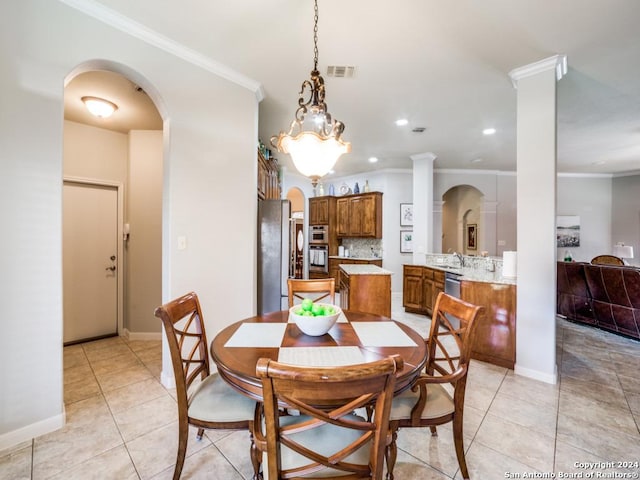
<point x="401" y="122"/>
<point x="599" y="162"/>
<point x="373" y="159"/>
<point x="331" y="172"/>
<point x="488" y="131"/>
<point x="476" y="160"/>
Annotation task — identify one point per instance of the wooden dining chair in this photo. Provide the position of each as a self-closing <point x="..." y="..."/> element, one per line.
<point x="204" y="399"/>
<point x="316" y="289"/>
<point x="428" y="403"/>
<point x="327" y="440"/>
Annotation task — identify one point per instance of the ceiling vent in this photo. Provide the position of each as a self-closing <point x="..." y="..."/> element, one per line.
<point x="418" y="130"/>
<point x="340" y="71"/>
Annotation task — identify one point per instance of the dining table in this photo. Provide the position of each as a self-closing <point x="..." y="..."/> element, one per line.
<point x="356" y="337"/>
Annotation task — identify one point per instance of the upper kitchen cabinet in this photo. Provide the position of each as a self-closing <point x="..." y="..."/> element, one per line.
<point x="321" y="210"/>
<point x="268" y="181"/>
<point x="360" y="215"/>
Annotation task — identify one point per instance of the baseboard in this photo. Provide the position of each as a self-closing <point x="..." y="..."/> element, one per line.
<point x="537" y="374"/>
<point x="48" y="425"/>
<point x="142" y="335"/>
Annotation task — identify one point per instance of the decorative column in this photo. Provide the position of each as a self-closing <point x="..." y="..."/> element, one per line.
<point x="536" y="223"/>
<point x="422" y="205"/>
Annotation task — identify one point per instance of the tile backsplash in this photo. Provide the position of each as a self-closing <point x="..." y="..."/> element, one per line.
<point x="363" y="247"/>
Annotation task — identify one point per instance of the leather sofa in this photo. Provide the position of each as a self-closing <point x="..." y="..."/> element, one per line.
<point x="604" y="296"/>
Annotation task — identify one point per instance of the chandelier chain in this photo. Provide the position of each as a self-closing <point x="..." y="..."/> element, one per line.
<point x="315" y="36"/>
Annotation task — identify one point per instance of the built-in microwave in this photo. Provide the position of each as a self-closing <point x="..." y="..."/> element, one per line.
<point x="319" y="234"/>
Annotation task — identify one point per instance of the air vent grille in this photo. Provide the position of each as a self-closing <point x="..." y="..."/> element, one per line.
<point x="418" y="129"/>
<point x="340" y="71"/>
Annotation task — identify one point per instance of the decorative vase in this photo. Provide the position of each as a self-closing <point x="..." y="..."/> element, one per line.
<point x="356" y="189"/>
<point x="366" y="186"/>
<point x="332" y="190"/>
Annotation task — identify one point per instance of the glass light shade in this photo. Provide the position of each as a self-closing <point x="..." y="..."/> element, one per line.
<point x="623" y="251"/>
<point x="313" y="155"/>
<point x="99" y="107"/>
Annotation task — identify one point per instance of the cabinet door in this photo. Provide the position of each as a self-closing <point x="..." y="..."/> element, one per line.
<point x="356" y="216"/>
<point x="427" y="292"/>
<point x="323" y="211"/>
<point x="412" y="292"/>
<point x="368" y="216"/>
<point x="344" y="290"/>
<point x="343" y="217"/>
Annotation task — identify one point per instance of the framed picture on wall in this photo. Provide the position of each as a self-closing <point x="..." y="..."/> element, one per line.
<point x="406" y="241"/>
<point x="472" y="236"/>
<point x="406" y="214"/>
<point x="568" y="231"/>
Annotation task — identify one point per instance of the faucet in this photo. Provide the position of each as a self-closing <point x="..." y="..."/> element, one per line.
<point x="459" y="257"/>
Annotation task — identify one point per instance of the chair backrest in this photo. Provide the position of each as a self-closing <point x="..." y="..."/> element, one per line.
<point x="451" y="337"/>
<point x="184" y="328"/>
<point x="607" y="260"/>
<point x="315" y="289"/>
<point x="327" y="396"/>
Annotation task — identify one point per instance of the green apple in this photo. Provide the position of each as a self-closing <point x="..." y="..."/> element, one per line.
<point x="307" y="304"/>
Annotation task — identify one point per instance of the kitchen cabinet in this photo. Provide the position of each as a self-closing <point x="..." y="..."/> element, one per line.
<point x="334" y="270"/>
<point x="365" y="292"/>
<point x="360" y="215"/>
<point x="496" y="340"/>
<point x="321" y="210"/>
<point x="268" y="181"/>
<point x="421" y="286"/>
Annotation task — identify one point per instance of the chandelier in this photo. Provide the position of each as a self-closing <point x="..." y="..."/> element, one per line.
<point x="314" y="137"/>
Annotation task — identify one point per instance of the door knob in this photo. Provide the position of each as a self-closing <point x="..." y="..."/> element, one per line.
<point x="112" y="268"/>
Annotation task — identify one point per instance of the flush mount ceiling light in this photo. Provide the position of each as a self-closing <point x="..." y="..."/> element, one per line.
<point x="402" y="122"/>
<point x="314" y="137"/>
<point x="373" y="159"/>
<point x="99" y="107"/>
<point x="488" y="131"/>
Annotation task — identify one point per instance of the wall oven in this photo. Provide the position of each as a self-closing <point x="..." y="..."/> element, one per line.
<point x="319" y="234"/>
<point x="319" y="258"/>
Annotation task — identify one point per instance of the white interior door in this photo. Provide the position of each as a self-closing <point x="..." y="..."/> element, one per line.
<point x="90" y="274"/>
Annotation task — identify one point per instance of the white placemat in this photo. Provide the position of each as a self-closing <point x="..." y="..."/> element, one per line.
<point x="382" y="334"/>
<point x="321" y="356"/>
<point x="257" y="335"/>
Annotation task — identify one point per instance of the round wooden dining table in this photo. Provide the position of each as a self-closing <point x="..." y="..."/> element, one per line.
<point x="236" y="358"/>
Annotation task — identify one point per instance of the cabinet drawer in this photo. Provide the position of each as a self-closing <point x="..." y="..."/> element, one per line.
<point x="413" y="271"/>
<point x="427" y="274"/>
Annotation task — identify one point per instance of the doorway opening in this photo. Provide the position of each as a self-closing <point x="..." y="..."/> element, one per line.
<point x="123" y="154"/>
<point x="462" y="220"/>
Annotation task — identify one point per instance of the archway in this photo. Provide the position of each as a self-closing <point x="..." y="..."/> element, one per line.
<point x="128" y="154"/>
<point x="462" y="220"/>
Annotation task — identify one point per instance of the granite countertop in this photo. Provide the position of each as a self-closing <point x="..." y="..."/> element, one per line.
<point x="368" y="259"/>
<point x="478" y="274"/>
<point x="355" y="269"/>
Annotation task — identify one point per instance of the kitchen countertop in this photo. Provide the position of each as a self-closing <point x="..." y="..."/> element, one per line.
<point x="368" y="259"/>
<point x="478" y="274"/>
<point x="354" y="269"/>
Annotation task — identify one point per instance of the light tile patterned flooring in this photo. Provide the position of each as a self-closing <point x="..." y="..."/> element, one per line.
<point x="121" y="422"/>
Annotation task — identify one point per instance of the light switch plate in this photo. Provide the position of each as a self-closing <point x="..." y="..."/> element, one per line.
<point x="182" y="242"/>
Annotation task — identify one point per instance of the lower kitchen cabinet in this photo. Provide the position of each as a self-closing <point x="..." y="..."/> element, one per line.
<point x="369" y="293"/>
<point x="421" y="286"/>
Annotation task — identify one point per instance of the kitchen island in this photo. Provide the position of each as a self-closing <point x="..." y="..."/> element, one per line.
<point x="496" y="293"/>
<point x="365" y="288"/>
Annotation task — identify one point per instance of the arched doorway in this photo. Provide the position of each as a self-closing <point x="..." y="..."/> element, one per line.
<point x="462" y="220"/>
<point x="123" y="153"/>
<point x="298" y="242"/>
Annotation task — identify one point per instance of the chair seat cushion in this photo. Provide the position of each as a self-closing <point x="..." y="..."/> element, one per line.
<point x="325" y="440"/>
<point x="439" y="403"/>
<point x="213" y="400"/>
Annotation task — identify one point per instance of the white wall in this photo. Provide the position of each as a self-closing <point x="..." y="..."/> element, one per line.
<point x="591" y="199"/>
<point x="625" y="218"/>
<point x="143" y="289"/>
<point x="209" y="186"/>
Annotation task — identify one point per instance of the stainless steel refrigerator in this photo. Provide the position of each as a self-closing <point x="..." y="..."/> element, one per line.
<point x="274" y="254"/>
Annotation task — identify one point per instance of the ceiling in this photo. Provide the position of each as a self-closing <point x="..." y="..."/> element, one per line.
<point x="442" y="65"/>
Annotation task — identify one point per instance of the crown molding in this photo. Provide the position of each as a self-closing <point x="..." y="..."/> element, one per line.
<point x="556" y="62"/>
<point x="141" y="32"/>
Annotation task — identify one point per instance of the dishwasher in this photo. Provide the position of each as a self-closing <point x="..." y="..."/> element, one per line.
<point x="452" y="287"/>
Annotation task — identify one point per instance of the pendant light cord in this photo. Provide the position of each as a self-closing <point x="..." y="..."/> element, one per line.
<point x="315" y="36"/>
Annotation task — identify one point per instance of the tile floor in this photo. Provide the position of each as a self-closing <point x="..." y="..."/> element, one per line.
<point x="121" y="422"/>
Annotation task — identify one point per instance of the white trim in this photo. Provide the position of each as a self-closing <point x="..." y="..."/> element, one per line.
<point x="125" y="24"/>
<point x="556" y="62"/>
<point x="537" y="375"/>
<point x="120" y="253"/>
<point x="132" y="336"/>
<point x="168" y="381"/>
<point x="28" y="432"/>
